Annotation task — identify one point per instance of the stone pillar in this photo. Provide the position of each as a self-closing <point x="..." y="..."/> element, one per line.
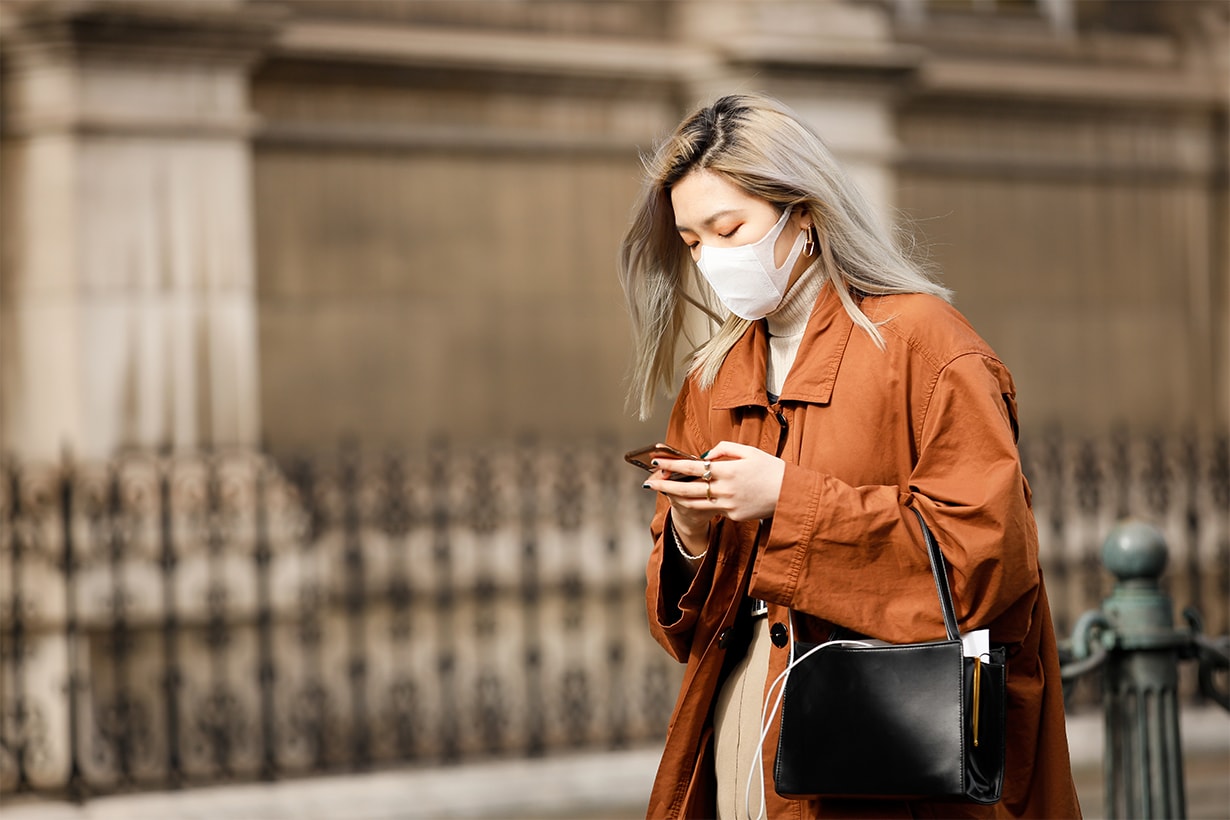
<point x="834" y="61"/>
<point x="127" y="289"/>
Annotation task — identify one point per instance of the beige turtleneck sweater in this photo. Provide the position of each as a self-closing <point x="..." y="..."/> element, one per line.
<point x="786" y="326"/>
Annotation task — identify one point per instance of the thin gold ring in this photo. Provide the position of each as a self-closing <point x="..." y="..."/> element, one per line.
<point x="708" y="491"/>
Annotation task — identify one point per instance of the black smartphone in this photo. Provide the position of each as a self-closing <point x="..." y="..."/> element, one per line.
<point x="644" y="456"/>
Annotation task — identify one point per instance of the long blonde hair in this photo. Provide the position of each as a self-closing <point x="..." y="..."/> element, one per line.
<point x="765" y="149"/>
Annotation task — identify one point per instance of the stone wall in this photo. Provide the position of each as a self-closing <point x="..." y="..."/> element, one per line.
<point x="439" y="209"/>
<point x="275" y="224"/>
<point x="1073" y="191"/>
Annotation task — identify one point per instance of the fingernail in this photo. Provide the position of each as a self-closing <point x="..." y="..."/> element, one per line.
<point x="704" y="455"/>
<point x="646" y="486"/>
<point x="653" y="463"/>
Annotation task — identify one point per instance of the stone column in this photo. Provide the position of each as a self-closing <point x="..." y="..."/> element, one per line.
<point x="835" y="62"/>
<point x="127" y="289"/>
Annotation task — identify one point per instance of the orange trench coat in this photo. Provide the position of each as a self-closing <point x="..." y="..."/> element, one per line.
<point x="928" y="423"/>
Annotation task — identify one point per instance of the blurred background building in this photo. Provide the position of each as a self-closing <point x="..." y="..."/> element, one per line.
<point x="263" y="227"/>
<point x="283" y="222"/>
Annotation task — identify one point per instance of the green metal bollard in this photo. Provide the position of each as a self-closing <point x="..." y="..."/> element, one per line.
<point x="1143" y="761"/>
<point x="1133" y="640"/>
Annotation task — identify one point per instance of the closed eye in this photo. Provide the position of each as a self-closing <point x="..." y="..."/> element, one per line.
<point x="696" y="244"/>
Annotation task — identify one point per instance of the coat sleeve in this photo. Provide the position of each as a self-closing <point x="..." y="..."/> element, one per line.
<point x="674" y="601"/>
<point x="854" y="555"/>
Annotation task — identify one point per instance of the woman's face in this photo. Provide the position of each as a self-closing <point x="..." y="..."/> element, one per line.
<point x="711" y="210"/>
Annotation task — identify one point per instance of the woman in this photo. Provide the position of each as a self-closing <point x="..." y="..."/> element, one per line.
<point x="841" y="393"/>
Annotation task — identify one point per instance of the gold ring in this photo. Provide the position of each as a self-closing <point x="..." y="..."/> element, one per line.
<point x="708" y="491"/>
<point x="708" y="476"/>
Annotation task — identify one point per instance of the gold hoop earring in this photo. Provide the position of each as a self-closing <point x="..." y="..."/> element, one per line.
<point x="809" y="244"/>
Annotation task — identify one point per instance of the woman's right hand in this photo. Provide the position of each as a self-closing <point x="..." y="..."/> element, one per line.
<point x="736" y="481"/>
<point x="691" y="525"/>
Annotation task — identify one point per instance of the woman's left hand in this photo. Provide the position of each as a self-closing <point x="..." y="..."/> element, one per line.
<point x="744" y="482"/>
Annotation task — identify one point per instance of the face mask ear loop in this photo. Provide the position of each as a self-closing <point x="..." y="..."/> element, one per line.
<point x="766" y="248"/>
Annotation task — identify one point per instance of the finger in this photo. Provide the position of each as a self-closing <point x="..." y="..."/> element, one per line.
<point x="678" y="466"/>
<point x="731" y="450"/>
<point x="688" y="493"/>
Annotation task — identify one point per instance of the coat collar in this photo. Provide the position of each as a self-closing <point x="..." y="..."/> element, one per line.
<point x="741" y="381"/>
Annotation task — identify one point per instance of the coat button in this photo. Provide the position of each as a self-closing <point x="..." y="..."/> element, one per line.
<point x="778" y="634"/>
<point x="724" y="638"/>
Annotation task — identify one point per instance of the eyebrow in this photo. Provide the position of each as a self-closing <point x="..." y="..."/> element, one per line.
<point x="708" y="222"/>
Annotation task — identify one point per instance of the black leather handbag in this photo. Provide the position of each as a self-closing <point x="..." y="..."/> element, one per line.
<point x="898" y="721"/>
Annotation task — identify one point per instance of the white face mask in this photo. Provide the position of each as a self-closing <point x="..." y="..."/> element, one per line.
<point x="745" y="278"/>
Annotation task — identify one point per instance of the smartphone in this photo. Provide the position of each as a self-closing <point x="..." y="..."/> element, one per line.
<point x="644" y="456"/>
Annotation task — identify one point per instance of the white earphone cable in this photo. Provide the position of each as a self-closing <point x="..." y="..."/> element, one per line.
<point x="767" y="719"/>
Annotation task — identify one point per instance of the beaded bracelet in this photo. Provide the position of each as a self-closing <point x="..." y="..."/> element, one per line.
<point x="682" y="551"/>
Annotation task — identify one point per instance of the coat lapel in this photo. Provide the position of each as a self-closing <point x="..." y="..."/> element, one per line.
<point x="741" y="381"/>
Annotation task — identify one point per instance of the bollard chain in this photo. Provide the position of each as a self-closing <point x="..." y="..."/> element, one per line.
<point x="1212" y="656"/>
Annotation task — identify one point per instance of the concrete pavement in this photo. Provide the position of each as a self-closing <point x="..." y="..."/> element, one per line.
<point x="593" y="786"/>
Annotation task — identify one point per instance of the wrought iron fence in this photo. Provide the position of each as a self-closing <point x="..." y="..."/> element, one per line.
<point x="189" y="618"/>
<point x="1083" y="486"/>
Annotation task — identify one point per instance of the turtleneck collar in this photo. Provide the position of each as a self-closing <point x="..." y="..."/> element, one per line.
<point x="791" y="315"/>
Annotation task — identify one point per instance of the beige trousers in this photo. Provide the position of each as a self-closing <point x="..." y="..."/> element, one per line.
<point x="737" y="725"/>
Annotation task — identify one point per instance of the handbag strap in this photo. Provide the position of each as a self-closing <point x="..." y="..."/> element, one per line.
<point x="939" y="570"/>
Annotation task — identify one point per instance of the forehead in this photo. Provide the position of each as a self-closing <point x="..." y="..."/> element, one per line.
<point x="701" y="193"/>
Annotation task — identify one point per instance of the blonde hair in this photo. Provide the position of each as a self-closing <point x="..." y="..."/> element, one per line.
<point x="762" y="147"/>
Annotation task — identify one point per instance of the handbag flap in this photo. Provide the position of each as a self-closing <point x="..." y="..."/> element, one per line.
<point x="876" y="720"/>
